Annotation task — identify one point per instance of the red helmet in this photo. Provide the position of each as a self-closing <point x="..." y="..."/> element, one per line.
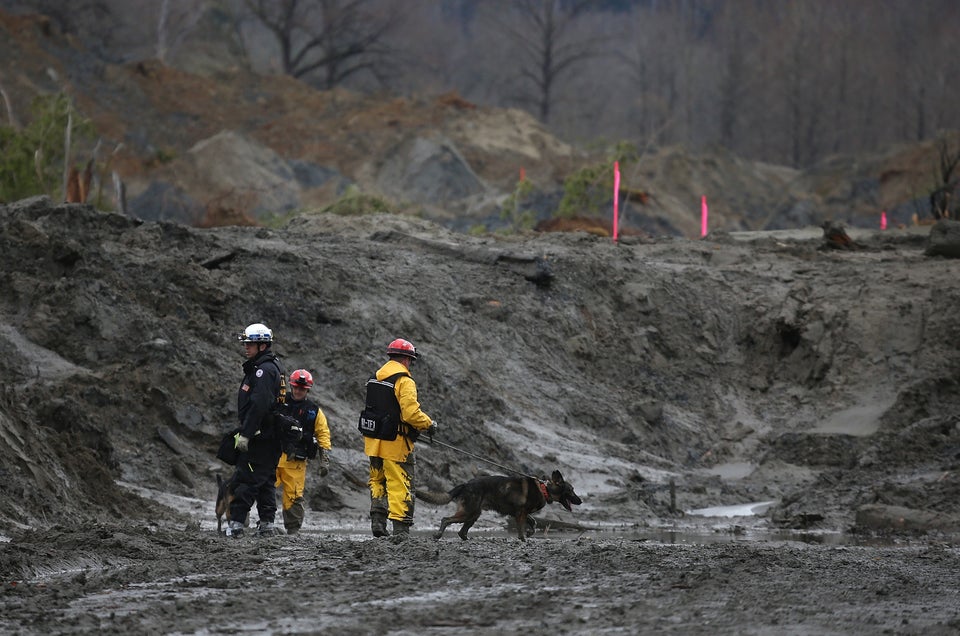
<point x="401" y="347"/>
<point x="302" y="378"/>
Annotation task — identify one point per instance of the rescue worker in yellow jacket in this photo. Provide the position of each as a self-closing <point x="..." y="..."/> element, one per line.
<point x="313" y="443"/>
<point x="392" y="461"/>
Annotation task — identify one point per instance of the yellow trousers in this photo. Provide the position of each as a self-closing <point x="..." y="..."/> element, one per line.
<point x="292" y="477"/>
<point x="391" y="488"/>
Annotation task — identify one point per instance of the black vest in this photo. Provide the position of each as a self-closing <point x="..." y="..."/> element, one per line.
<point x="381" y="413"/>
<point x="304" y="412"/>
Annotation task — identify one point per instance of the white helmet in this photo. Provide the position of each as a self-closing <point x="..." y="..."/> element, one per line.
<point x="256" y="333"/>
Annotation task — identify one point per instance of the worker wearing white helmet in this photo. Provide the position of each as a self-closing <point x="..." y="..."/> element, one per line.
<point x="261" y="393"/>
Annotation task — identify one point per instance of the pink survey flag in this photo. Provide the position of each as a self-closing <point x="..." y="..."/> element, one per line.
<point x="616" y="198"/>
<point x="703" y="215"/>
<point x="883" y="220"/>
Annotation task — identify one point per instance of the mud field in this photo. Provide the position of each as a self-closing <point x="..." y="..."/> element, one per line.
<point x="763" y="431"/>
<point x="129" y="579"/>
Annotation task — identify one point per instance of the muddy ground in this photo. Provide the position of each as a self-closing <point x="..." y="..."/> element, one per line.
<point x="129" y="579"/>
<point x="814" y="389"/>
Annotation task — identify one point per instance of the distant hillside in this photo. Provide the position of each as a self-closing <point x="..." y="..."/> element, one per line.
<point x="233" y="145"/>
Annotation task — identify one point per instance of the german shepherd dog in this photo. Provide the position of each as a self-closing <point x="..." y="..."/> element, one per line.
<point x="516" y="497"/>
<point x="224" y="499"/>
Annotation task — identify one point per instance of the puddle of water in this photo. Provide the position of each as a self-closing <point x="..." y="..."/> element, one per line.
<point x="732" y="470"/>
<point x="723" y="532"/>
<point x="859" y="421"/>
<point x="732" y="523"/>
<point x="738" y="510"/>
<point x="739" y="534"/>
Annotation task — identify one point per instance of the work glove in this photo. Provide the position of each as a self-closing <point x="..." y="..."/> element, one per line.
<point x="324" y="463"/>
<point x="241" y="443"/>
<point x="430" y="431"/>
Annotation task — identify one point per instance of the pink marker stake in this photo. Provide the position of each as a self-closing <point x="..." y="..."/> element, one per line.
<point x="616" y="198"/>
<point x="883" y="220"/>
<point x="703" y="215"/>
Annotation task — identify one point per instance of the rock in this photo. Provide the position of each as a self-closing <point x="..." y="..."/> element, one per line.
<point x="944" y="239"/>
<point x="183" y="474"/>
<point x="171" y="440"/>
<point x="428" y="170"/>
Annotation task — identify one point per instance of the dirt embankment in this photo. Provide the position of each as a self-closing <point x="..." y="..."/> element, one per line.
<point x="741" y="368"/>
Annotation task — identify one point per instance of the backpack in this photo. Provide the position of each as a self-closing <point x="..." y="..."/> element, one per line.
<point x="380" y="417"/>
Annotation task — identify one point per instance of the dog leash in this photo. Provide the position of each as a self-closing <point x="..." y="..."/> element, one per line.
<point x="483" y="459"/>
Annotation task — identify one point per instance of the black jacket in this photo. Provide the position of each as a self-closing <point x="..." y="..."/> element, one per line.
<point x="259" y="395"/>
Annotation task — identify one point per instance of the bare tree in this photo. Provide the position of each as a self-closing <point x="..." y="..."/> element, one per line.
<point x="652" y="40"/>
<point x="74" y="18"/>
<point x="942" y="198"/>
<point x="335" y="38"/>
<point x="549" y="45"/>
<point x="175" y="21"/>
<point x="800" y="98"/>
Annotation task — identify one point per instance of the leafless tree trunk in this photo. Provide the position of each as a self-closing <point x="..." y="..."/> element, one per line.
<point x="648" y="45"/>
<point x="162" y="30"/>
<point x="550" y="48"/>
<point x="942" y="199"/>
<point x="731" y="90"/>
<point x="11" y="118"/>
<point x="120" y="192"/>
<point x="66" y="153"/>
<point x="802" y="93"/>
<point x="175" y="21"/>
<point x="335" y="38"/>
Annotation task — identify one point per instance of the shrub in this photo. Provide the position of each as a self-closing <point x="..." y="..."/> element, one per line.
<point x="512" y="209"/>
<point x="31" y="158"/>
<point x="588" y="191"/>
<point x="354" y="202"/>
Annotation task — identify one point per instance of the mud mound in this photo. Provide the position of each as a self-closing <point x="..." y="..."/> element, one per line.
<point x="661" y="377"/>
<point x="740" y="368"/>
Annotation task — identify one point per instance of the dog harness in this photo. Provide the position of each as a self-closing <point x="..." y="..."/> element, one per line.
<point x="544" y="491"/>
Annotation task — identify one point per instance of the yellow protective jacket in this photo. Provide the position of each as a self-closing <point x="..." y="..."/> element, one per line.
<point x="321" y="430"/>
<point x="410" y="414"/>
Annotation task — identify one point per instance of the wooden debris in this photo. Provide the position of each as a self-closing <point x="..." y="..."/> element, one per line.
<point x="835" y="236"/>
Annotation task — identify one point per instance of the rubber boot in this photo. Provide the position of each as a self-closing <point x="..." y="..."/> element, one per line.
<point x="378" y="524"/>
<point x="267" y="529"/>
<point x="401" y="528"/>
<point x="235" y="529"/>
<point x="293" y="517"/>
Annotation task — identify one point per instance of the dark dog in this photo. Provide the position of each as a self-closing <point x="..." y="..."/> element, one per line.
<point x="224" y="499"/>
<point x="516" y="497"/>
